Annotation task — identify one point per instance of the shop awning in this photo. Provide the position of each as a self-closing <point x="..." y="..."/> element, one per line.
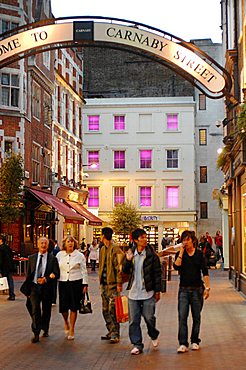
<point x="68" y="213"/>
<point x="93" y="220"/>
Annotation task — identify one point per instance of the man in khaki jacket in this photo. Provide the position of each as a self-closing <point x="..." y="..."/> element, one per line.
<point x="110" y="283"/>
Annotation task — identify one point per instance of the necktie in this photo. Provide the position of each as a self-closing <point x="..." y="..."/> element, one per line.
<point x="40" y="267"/>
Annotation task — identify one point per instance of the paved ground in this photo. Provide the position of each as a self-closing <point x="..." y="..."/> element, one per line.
<point x="223" y="335"/>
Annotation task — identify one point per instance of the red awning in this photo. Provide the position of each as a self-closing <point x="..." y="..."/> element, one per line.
<point x="93" y="220"/>
<point x="67" y="212"/>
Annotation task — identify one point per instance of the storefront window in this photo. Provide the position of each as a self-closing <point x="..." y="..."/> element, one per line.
<point x="243" y="213"/>
<point x="71" y="229"/>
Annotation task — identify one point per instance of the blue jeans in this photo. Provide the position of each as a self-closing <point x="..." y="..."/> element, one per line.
<point x="187" y="298"/>
<point x="145" y="308"/>
<point x="9" y="276"/>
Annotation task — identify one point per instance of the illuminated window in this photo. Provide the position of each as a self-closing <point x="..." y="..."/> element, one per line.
<point x="145" y="196"/>
<point x="119" y="195"/>
<point x="10" y="89"/>
<point x="145" y="158"/>
<point x="172" y="158"/>
<point x="93" y="123"/>
<point x="203" y="174"/>
<point x="119" y="123"/>
<point x="203" y="210"/>
<point x="119" y="159"/>
<point x="202" y="102"/>
<point x="93" y="198"/>
<point x="203" y="136"/>
<point x="93" y="158"/>
<point x="172" y="197"/>
<point x="172" y="122"/>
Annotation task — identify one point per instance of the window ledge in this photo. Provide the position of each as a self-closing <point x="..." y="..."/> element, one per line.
<point x="145" y="132"/>
<point x="119" y="132"/>
<point x="145" y="170"/>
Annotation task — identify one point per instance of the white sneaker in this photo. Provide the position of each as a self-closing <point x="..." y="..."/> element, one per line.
<point x="194" y="346"/>
<point x="155" y="342"/>
<point x="136" y="351"/>
<point x="182" y="349"/>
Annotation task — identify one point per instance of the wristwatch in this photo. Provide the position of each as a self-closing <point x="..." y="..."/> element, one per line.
<point x="207" y="289"/>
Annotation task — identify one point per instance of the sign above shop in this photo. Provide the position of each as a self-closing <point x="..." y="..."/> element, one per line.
<point x="150" y="218"/>
<point x="193" y="64"/>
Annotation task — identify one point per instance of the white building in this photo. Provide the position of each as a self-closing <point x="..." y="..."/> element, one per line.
<point x="144" y="149"/>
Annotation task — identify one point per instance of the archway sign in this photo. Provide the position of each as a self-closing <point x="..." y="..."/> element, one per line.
<point x="185" y="58"/>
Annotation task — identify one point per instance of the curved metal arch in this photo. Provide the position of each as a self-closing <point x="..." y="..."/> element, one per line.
<point x="11" y="44"/>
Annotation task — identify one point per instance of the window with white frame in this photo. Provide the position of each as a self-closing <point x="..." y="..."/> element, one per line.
<point x="145" y="157"/>
<point x="119" y="195"/>
<point x="119" y="159"/>
<point x="145" y="196"/>
<point x="10" y="89"/>
<point x="93" y="158"/>
<point x="36" y="163"/>
<point x="36" y="101"/>
<point x="119" y="123"/>
<point x="172" y="158"/>
<point x="93" y="198"/>
<point x="172" y="196"/>
<point x="93" y="123"/>
<point x="7" y="25"/>
<point x="47" y="109"/>
<point x="172" y="122"/>
<point x="46" y="59"/>
<point x="47" y="170"/>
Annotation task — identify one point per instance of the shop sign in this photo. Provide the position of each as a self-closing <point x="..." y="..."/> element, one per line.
<point x="150" y="218"/>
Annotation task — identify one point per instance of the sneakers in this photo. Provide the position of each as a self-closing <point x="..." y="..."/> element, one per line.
<point x="155" y="342"/>
<point x="136" y="351"/>
<point x="182" y="349"/>
<point x="194" y="346"/>
<point x="114" y="340"/>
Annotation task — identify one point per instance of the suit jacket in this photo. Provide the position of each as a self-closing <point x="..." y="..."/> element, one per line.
<point x="51" y="267"/>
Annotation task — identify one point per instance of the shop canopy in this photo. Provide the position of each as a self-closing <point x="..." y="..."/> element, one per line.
<point x="93" y="219"/>
<point x="68" y="213"/>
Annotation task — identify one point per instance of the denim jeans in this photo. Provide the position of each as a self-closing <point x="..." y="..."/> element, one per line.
<point x="145" y="308"/>
<point x="189" y="298"/>
<point x="11" y="284"/>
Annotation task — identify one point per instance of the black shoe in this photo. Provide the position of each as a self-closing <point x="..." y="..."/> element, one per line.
<point x="106" y="337"/>
<point x="45" y="334"/>
<point x="114" y="340"/>
<point x="11" y="299"/>
<point x="35" y="339"/>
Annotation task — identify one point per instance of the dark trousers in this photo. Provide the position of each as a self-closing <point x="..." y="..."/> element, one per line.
<point x="41" y="302"/>
<point x="9" y="277"/>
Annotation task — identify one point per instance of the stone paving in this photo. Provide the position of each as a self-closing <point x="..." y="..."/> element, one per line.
<point x="223" y="335"/>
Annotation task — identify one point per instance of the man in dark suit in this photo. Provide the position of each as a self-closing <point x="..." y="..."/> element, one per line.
<point x="7" y="265"/>
<point x="42" y="273"/>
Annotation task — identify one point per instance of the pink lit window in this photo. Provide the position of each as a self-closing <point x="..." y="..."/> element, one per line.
<point x="172" y="122"/>
<point x="145" y="158"/>
<point x="93" y="158"/>
<point x="172" y="196"/>
<point x="93" y="124"/>
<point x="119" y="195"/>
<point x="119" y="123"/>
<point x="145" y="196"/>
<point x="93" y="198"/>
<point x="119" y="159"/>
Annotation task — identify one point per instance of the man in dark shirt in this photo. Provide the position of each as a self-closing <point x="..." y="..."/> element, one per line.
<point x="7" y="265"/>
<point x="191" y="263"/>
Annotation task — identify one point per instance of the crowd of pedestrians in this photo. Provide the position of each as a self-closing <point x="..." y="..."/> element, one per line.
<point x="67" y="266"/>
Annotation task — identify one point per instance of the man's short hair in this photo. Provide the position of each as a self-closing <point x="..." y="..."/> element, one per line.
<point x="137" y="233"/>
<point x="107" y="232"/>
<point x="189" y="234"/>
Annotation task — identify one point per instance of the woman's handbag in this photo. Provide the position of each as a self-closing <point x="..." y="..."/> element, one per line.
<point x="121" y="308"/>
<point x="85" y="304"/>
<point x="4" y="283"/>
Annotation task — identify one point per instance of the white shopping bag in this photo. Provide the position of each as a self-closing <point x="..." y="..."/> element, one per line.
<point x="4" y="283"/>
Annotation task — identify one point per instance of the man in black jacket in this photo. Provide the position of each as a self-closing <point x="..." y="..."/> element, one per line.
<point x="143" y="266"/>
<point x="7" y="265"/>
<point x="42" y="273"/>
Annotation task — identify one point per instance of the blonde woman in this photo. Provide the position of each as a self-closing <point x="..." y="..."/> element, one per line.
<point x="73" y="281"/>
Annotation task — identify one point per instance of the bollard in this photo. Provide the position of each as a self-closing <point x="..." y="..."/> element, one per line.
<point x="164" y="276"/>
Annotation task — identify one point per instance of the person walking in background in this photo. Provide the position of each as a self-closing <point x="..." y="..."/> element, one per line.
<point x="209" y="238"/>
<point x="56" y="248"/>
<point x="110" y="280"/>
<point x="7" y="265"/>
<point x="190" y="263"/>
<point x="143" y="265"/>
<point x="219" y="244"/>
<point x="72" y="283"/>
<point x="42" y="271"/>
<point x="94" y="249"/>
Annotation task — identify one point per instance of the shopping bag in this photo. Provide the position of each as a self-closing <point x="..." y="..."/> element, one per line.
<point x="85" y="304"/>
<point x="4" y="283"/>
<point x="121" y="308"/>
